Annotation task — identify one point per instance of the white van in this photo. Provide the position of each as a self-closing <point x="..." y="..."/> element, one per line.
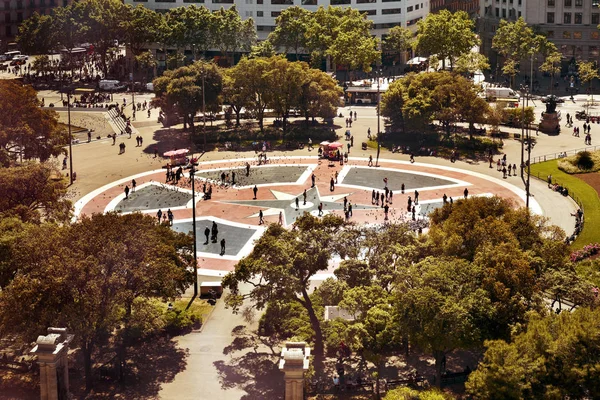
<point x="110" y="85"/>
<point x="500" y="93"/>
<point x="11" y="54"/>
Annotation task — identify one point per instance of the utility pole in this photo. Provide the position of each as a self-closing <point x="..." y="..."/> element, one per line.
<point x="378" y="75"/>
<point x="70" y="138"/>
<point x="203" y="111"/>
<point x="193" y="179"/>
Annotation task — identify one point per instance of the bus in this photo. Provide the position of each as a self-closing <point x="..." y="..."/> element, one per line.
<point x="11" y="54"/>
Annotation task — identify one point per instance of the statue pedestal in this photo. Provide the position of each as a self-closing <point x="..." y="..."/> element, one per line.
<point x="550" y="123"/>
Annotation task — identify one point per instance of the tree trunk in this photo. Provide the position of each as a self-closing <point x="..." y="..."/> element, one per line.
<point x="316" y="325"/>
<point x="86" y="350"/>
<point x="439" y="355"/>
<point x="471" y="130"/>
<point x="237" y="117"/>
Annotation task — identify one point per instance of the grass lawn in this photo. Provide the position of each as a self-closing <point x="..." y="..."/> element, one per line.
<point x="581" y="192"/>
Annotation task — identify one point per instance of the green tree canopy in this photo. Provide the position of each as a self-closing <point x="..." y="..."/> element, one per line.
<point x="87" y="275"/>
<point x="446" y="35"/>
<point x="291" y="28"/>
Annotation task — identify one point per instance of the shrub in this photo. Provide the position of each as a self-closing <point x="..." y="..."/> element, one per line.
<point x="178" y="319"/>
<point x="584" y="160"/>
<point x="587" y="251"/>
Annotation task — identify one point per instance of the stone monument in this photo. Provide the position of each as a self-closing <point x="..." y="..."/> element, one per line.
<point x="52" y="351"/>
<point x="294" y="362"/>
<point x="550" y="118"/>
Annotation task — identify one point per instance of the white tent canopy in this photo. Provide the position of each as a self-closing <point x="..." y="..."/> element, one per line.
<point x="416" y="60"/>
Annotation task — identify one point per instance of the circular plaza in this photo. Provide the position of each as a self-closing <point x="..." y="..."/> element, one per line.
<point x="284" y="190"/>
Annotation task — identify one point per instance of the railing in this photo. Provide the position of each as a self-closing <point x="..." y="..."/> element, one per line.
<point x="555" y="156"/>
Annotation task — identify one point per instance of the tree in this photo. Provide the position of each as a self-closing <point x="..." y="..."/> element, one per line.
<point x="147" y="62"/>
<point x="392" y="103"/>
<point x="32" y="193"/>
<point x="281" y="265"/>
<point x="36" y="34"/>
<point x="291" y="28"/>
<point x="515" y="41"/>
<point x="587" y="73"/>
<point x="447" y="35"/>
<point x="285" y="80"/>
<point x="41" y="64"/>
<point x="26" y="130"/>
<point x="191" y="27"/>
<point x="69" y="26"/>
<point x="438" y="304"/>
<point x="319" y="96"/>
<point x="398" y="39"/>
<point x="231" y="33"/>
<point x="86" y="277"/>
<point x="554" y="356"/>
<point x="181" y="90"/>
<point x="551" y="64"/>
<point x="471" y="63"/>
<point x="262" y="49"/>
<point x="249" y="76"/>
<point x="140" y="27"/>
<point x="344" y="36"/>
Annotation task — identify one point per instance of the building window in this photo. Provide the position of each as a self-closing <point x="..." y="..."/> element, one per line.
<point x="370" y="12"/>
<point x="593" y="50"/>
<point x="19" y="17"/>
<point x="168" y="1"/>
<point x="7" y="30"/>
<point x="248" y="13"/>
<point x="220" y="1"/>
<point x="578" y="3"/>
<point x="20" y="5"/>
<point x="259" y="1"/>
<point x="65" y="3"/>
<point x="416" y="7"/>
<point x="190" y="1"/>
<point x="568" y="3"/>
<point x="519" y="2"/>
<point x="595" y="18"/>
<point x="497" y="12"/>
<point x="409" y="9"/>
<point x="286" y="2"/>
<point x="550" y="18"/>
<point x="550" y="34"/>
<point x="338" y="2"/>
<point x="566" y="35"/>
<point x="391" y="11"/>
<point x="504" y="13"/>
<point x="275" y="14"/>
<point x="595" y="35"/>
<point x="364" y="1"/>
<point x="413" y="21"/>
<point x="578" y="18"/>
<point x="259" y="13"/>
<point x="145" y="1"/>
<point x="389" y="1"/>
<point x="309" y="2"/>
<point x="550" y="3"/>
<point x="577" y="35"/>
<point x="567" y="18"/>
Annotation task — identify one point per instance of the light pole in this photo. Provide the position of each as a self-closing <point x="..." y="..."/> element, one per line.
<point x="523" y="164"/>
<point x="70" y="138"/>
<point x="203" y="112"/>
<point x="192" y="177"/>
<point x="378" y="75"/>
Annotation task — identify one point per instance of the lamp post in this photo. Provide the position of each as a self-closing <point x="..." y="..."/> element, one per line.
<point x="525" y="132"/>
<point x="193" y="179"/>
<point x="378" y="75"/>
<point x="70" y="138"/>
<point x="203" y="112"/>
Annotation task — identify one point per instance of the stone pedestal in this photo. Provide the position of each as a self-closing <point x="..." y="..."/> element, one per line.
<point x="550" y="123"/>
<point x="52" y="351"/>
<point x="294" y="362"/>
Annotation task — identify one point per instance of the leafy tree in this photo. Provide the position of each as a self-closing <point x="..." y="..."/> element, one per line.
<point x="69" y="25"/>
<point x="191" y="26"/>
<point x="36" y="34"/>
<point x="406" y="393"/>
<point x="249" y="79"/>
<point x="112" y="261"/>
<point x="515" y="41"/>
<point x="140" y="26"/>
<point x="231" y="33"/>
<point x="399" y="39"/>
<point x="32" y="193"/>
<point x="12" y="229"/>
<point x="281" y="265"/>
<point x="392" y="103"/>
<point x="181" y="90"/>
<point x="262" y="49"/>
<point x="447" y="35"/>
<point x="555" y="356"/>
<point x="291" y="28"/>
<point x="41" y="64"/>
<point x="146" y="61"/>
<point x="551" y="64"/>
<point x="471" y="63"/>
<point x="344" y="36"/>
<point x="587" y="73"/>
<point x="319" y="96"/>
<point x="26" y="130"/>
<point x="439" y="304"/>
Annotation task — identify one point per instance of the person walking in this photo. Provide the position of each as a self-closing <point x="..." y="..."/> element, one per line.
<point x="386" y="209"/>
<point x="297" y="203"/>
<point x="170" y="217"/>
<point x="126" y="192"/>
<point x="159" y="215"/>
<point x="260" y="217"/>
<point x="255" y="190"/>
<point x="207" y="234"/>
<point x="281" y="217"/>
<point x="370" y="161"/>
<point x="416" y="197"/>
<point x="350" y="209"/>
<point x="391" y="197"/>
<point x="232" y="178"/>
<point x="247" y="169"/>
<point x="320" y="208"/>
<point x="214" y="232"/>
<point x="331" y="184"/>
<point x="313" y="178"/>
<point x="402" y="188"/>
<point x="304" y="197"/>
<point x="345" y="203"/>
<point x="466" y="193"/>
<point x="133" y="185"/>
<point x="223" y="247"/>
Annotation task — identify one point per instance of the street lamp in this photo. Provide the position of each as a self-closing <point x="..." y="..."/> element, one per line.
<point x="378" y="75"/>
<point x="192" y="178"/>
<point x="70" y="138"/>
<point x="525" y="130"/>
<point x="203" y="112"/>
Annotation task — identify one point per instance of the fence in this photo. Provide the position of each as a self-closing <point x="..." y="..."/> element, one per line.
<point x="555" y="156"/>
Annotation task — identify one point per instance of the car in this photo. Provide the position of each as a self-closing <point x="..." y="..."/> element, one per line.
<point x="363" y="100"/>
<point x="21" y="57"/>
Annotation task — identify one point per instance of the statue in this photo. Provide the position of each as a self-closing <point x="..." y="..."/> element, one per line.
<point x="551" y="104"/>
